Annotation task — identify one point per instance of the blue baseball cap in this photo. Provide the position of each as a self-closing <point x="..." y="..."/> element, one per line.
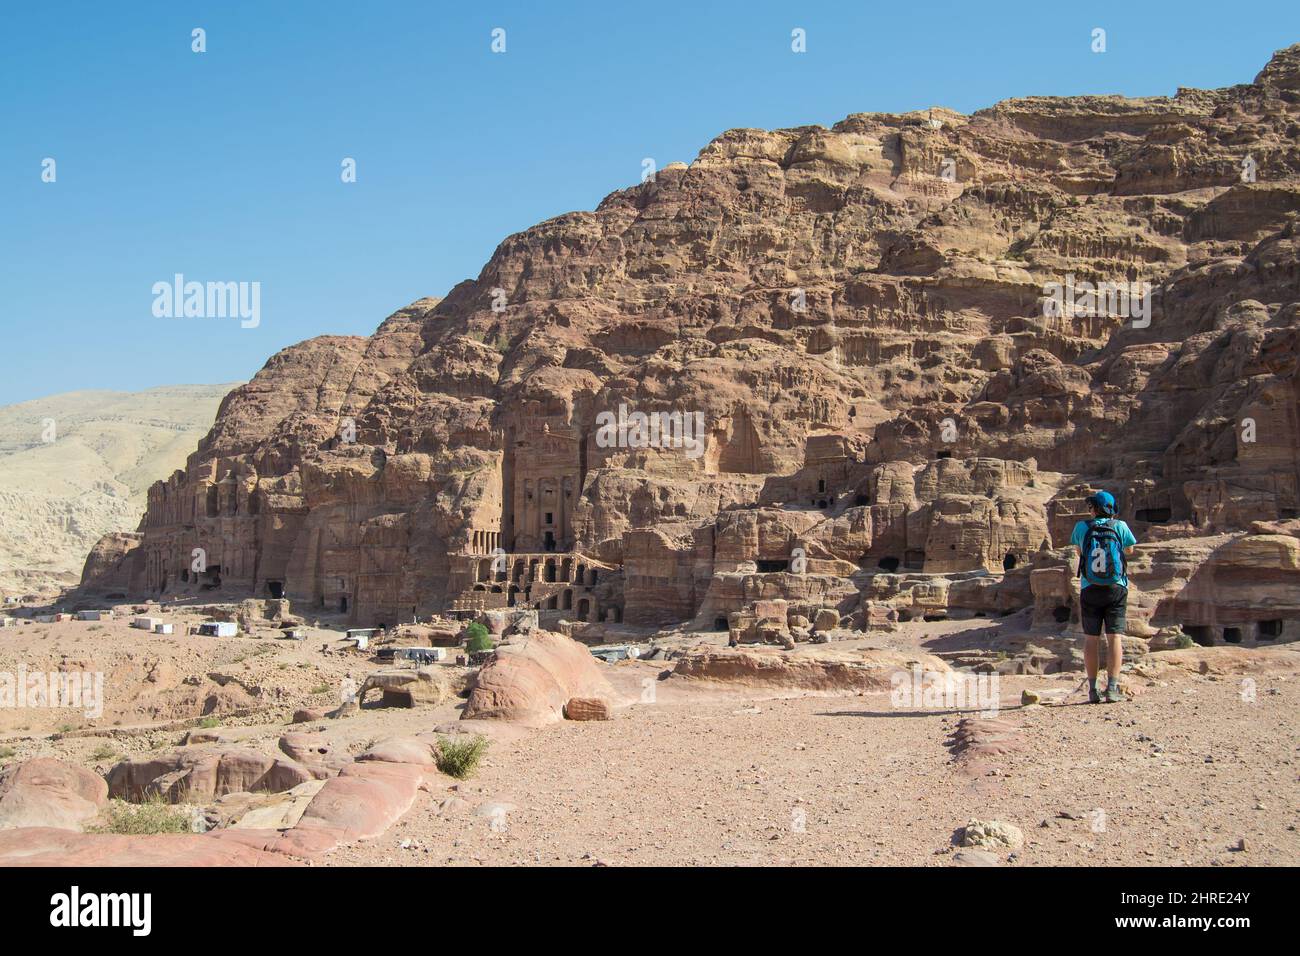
<point x="1104" y="501"/>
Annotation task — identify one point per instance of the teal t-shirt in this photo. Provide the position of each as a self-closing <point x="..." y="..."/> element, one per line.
<point x="1126" y="541"/>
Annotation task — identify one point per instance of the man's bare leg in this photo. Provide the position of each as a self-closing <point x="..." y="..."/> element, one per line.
<point x="1114" y="661"/>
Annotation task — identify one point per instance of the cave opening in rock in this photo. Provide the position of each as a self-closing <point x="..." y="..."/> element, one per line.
<point x="343" y="604"/>
<point x="932" y="618"/>
<point x="1232" y="635"/>
<point x="861" y="501"/>
<point x="1268" y="630"/>
<point x="1060" y="614"/>
<point x="720" y="624"/>
<point x="771" y="567"/>
<point x="1009" y="562"/>
<point x="275" y="589"/>
<point x="1200" y="633"/>
<point x="1153" y="515"/>
<point x="944" y="454"/>
<point x="888" y="564"/>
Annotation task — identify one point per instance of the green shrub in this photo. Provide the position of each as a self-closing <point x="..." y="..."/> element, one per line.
<point x="104" y="752"/>
<point x="459" y="758"/>
<point x="7" y="752"/>
<point x="477" y="638"/>
<point x="207" y="723"/>
<point x="155" y="815"/>
<point x="1183" y="641"/>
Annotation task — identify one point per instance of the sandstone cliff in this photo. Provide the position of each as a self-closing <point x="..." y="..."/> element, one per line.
<point x="896" y="411"/>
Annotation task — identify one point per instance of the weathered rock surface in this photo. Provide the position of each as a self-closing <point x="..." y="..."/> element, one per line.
<point x="41" y="846"/>
<point x="817" y="670"/>
<point x="530" y="679"/>
<point x="43" y="792"/>
<point x="894" y="410"/>
<point x="195" y="774"/>
<point x="588" y="708"/>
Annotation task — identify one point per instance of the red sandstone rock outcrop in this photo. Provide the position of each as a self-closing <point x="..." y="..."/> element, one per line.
<point x="43" y="792"/>
<point x="197" y="774"/>
<point x="822" y="671"/>
<point x="880" y="399"/>
<point x="530" y="679"/>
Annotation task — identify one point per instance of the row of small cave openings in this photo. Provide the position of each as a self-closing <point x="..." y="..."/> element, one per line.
<point x="551" y="571"/>
<point x="560" y="601"/>
<point x="913" y="560"/>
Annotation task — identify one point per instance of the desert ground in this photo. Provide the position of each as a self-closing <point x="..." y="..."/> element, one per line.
<point x="1196" y="766"/>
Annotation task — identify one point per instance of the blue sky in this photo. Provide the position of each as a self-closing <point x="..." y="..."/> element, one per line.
<point x="225" y="165"/>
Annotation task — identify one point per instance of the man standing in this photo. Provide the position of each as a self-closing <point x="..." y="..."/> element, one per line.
<point x="1104" y="543"/>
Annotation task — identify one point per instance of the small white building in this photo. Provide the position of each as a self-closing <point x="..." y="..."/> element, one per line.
<point x="161" y="628"/>
<point x="361" y="636"/>
<point x="95" y="615"/>
<point x="218" y="629"/>
<point x="8" y="622"/>
<point x="146" y="623"/>
<point x="421" y="655"/>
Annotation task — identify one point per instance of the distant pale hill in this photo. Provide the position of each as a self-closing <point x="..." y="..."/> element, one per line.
<point x="58" y="496"/>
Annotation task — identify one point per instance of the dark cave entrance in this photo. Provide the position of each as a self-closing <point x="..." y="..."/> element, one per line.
<point x="1268" y="630"/>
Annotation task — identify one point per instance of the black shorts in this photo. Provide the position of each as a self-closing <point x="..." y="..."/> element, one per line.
<point x="1103" y="603"/>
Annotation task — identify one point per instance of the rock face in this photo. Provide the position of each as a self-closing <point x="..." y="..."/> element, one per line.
<point x="43" y="792"/>
<point x="530" y="680"/>
<point x="884" y="363"/>
<point x="820" y="671"/>
<point x="197" y="774"/>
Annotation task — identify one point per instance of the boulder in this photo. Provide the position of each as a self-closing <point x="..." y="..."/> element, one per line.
<point x="827" y="619"/>
<point x="410" y="750"/>
<point x="199" y="774"/>
<point x="991" y="835"/>
<point x="529" y="680"/>
<point x="814" y="668"/>
<point x="407" y="687"/>
<point x="588" y="708"/>
<point x="43" y="792"/>
<point x="316" y="752"/>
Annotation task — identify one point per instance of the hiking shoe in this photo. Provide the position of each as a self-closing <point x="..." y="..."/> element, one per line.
<point x="1093" y="696"/>
<point x="1113" y="695"/>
